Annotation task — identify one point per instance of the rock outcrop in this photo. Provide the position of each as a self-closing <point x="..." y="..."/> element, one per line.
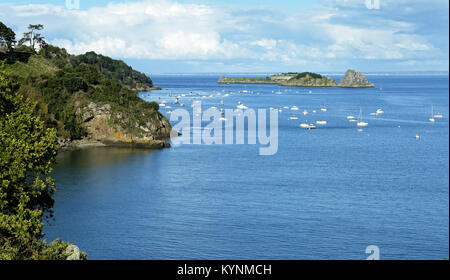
<point x="353" y="79"/>
<point x="116" y="128"/>
<point x="73" y="253"/>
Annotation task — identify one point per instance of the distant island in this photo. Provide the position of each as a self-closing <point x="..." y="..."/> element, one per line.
<point x="352" y="79"/>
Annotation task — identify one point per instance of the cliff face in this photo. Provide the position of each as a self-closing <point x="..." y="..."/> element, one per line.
<point x="111" y="127"/>
<point x="353" y="79"/>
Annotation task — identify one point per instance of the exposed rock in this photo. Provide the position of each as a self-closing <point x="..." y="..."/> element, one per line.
<point x="353" y="79"/>
<point x="282" y="77"/>
<point x="283" y="80"/>
<point x="73" y="252"/>
<point x="141" y="88"/>
<point x="107" y="126"/>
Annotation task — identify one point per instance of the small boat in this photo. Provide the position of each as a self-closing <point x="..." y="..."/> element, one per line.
<point x="417" y="136"/>
<point x="321" y="122"/>
<point x="438" y="116"/>
<point x="379" y="112"/>
<point x="294" y="108"/>
<point x="351" y="117"/>
<point x="293" y="118"/>
<point x="308" y="126"/>
<point x="305" y="112"/>
<point x="353" y="120"/>
<point x="222" y="119"/>
<point x="314" y="111"/>
<point x="361" y="123"/>
<point x="373" y="114"/>
<point x="432" y="119"/>
<point x="324" y="109"/>
<point x="242" y="107"/>
<point x="162" y="105"/>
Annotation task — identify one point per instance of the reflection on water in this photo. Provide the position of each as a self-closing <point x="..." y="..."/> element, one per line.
<point x="98" y="157"/>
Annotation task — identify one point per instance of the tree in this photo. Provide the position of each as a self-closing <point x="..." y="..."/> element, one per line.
<point x="27" y="151"/>
<point x="7" y="37"/>
<point x="33" y="38"/>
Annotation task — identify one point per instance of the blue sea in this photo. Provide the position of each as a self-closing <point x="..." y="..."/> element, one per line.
<point x="327" y="193"/>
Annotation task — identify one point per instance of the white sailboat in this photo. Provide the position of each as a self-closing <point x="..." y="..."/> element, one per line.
<point x="432" y="119"/>
<point x="361" y="123"/>
<point x="308" y="126"/>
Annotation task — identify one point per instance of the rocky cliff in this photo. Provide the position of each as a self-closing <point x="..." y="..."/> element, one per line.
<point x="115" y="128"/>
<point x="91" y="99"/>
<point x="353" y="79"/>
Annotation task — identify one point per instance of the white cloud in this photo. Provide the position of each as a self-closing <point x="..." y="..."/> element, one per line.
<point x="169" y="30"/>
<point x="265" y="43"/>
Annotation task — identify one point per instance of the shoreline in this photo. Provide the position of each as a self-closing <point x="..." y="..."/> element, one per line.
<point x="292" y="84"/>
<point x="89" y="143"/>
<point x="352" y="79"/>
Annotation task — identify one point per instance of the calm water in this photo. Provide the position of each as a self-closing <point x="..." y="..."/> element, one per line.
<point x="326" y="194"/>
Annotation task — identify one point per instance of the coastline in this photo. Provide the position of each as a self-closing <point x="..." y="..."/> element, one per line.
<point x="293" y="84"/>
<point x="352" y="79"/>
<point x="73" y="145"/>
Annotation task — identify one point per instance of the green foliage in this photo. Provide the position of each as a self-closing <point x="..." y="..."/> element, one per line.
<point x="7" y="37"/>
<point x="305" y="74"/>
<point x="114" y="69"/>
<point x="61" y="83"/>
<point x="27" y="151"/>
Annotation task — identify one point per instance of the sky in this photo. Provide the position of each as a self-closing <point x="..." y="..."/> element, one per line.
<point x="267" y="36"/>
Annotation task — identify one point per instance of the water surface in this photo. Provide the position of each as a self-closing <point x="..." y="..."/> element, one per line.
<point x="326" y="194"/>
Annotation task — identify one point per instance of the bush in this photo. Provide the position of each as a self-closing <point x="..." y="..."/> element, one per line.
<point x="27" y="153"/>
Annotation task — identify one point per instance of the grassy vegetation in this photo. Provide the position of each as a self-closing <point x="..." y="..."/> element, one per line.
<point x="60" y="83"/>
